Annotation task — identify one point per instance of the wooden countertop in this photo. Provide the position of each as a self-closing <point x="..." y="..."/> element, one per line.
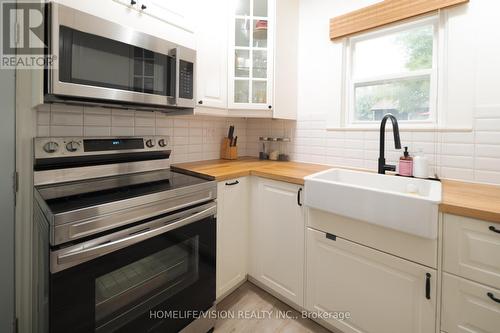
<point x="291" y="172"/>
<point x="477" y="201"/>
<point x="459" y="198"/>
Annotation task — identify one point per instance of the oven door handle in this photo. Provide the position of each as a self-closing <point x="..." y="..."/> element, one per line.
<point x="100" y="250"/>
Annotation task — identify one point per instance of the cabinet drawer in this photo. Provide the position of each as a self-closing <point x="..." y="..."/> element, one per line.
<point x="467" y="308"/>
<point x="472" y="250"/>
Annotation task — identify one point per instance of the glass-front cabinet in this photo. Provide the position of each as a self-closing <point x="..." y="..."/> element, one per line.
<point x="250" y="55"/>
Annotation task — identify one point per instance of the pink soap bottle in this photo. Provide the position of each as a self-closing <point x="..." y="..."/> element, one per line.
<point x="406" y="164"/>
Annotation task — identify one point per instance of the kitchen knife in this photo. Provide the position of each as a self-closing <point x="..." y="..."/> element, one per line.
<point x="231" y="132"/>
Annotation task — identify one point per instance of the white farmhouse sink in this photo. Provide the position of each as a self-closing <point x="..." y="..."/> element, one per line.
<point x="406" y="204"/>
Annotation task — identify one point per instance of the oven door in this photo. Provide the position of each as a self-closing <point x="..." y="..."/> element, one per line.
<point x="130" y="280"/>
<point x="100" y="60"/>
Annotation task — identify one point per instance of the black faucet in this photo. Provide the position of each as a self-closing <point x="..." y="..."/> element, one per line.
<point x="382" y="167"/>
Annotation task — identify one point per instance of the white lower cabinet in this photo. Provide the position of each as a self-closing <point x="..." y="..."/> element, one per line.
<point x="277" y="238"/>
<point x="381" y="292"/>
<point x="232" y="234"/>
<point x="469" y="307"/>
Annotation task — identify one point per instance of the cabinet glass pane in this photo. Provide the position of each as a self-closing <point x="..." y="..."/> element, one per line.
<point x="260" y="8"/>
<point x="259" y="92"/>
<point x="260" y="64"/>
<point x="241" y="91"/>
<point x="242" y="32"/>
<point x="242" y="63"/>
<point x="260" y="33"/>
<point x="243" y="7"/>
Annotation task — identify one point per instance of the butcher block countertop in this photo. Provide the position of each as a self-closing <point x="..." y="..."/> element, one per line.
<point x="459" y="198"/>
<point x="290" y="172"/>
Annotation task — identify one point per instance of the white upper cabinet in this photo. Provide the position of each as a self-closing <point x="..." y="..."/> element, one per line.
<point x="247" y="58"/>
<point x="211" y="44"/>
<point x="175" y="12"/>
<point x="251" y="43"/>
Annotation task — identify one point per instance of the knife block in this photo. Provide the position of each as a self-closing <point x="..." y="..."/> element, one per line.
<point x="227" y="152"/>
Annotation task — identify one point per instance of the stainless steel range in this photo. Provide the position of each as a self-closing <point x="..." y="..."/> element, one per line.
<point x="123" y="243"/>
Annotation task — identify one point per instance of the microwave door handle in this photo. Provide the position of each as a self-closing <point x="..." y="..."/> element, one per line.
<point x="100" y="250"/>
<point x="176" y="54"/>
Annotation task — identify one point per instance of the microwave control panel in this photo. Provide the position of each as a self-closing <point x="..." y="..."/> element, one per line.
<point x="186" y="79"/>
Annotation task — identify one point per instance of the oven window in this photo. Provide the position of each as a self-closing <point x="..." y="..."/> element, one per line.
<point x="145" y="283"/>
<point x="101" y="62"/>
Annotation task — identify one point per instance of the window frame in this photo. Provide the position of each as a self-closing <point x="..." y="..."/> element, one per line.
<point x="351" y="83"/>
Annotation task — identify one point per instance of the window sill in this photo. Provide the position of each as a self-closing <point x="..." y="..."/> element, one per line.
<point x="402" y="128"/>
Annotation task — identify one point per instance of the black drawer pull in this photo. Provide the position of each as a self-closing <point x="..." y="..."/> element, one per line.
<point x="331" y="237"/>
<point x="298" y="197"/>
<point x="233" y="183"/>
<point x="492" y="228"/>
<point x="428" y="285"/>
<point x="490" y="295"/>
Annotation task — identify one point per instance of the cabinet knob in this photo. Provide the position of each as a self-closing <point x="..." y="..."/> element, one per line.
<point x="200" y="102"/>
<point x="143" y="7"/>
<point x="133" y="2"/>
<point x="270" y="107"/>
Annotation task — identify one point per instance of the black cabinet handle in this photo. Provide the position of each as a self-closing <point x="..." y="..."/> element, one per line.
<point x="490" y="295"/>
<point x="143" y="7"/>
<point x="233" y="183"/>
<point x="298" y="197"/>
<point x="428" y="285"/>
<point x="492" y="228"/>
<point x="200" y="102"/>
<point x="270" y="107"/>
<point x="133" y="2"/>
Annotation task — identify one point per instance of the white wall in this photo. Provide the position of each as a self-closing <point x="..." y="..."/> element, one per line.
<point x="465" y="155"/>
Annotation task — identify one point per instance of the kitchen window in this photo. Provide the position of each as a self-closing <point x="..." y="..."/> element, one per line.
<point x="393" y="70"/>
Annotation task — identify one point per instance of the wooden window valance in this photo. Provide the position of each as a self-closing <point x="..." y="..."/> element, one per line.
<point x="382" y="13"/>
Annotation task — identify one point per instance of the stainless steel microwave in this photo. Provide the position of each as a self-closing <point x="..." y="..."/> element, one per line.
<point x="103" y="63"/>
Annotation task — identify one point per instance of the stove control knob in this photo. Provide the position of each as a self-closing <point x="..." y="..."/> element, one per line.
<point x="51" y="147"/>
<point x="72" y="146"/>
<point x="162" y="143"/>
<point x="150" y="143"/>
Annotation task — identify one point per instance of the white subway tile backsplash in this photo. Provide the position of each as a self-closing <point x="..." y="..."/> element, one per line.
<point x="66" y="130"/>
<point x="96" y="131"/>
<point x="145" y="119"/>
<point x="146" y="131"/>
<point x="43" y="118"/>
<point x="120" y="119"/>
<point x="93" y="118"/>
<point x="488" y="137"/>
<point x="488" y="164"/>
<point x="43" y="131"/>
<point x="487" y="150"/>
<point x="457" y="173"/>
<point x="459" y="149"/>
<point x="67" y="118"/>
<point x="122" y="131"/>
<point x="487" y="177"/>
<point x="470" y="156"/>
<point x="457" y="161"/>
<point x="488" y="124"/>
